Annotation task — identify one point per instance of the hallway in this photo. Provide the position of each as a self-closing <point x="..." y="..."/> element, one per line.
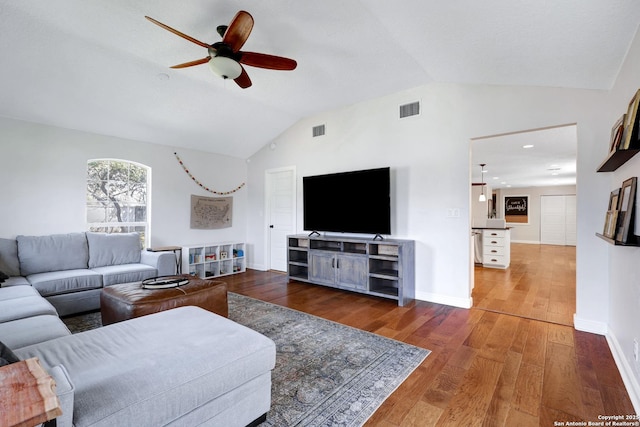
<point x="540" y="284"/>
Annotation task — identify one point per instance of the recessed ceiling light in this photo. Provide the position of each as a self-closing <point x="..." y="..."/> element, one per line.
<point x="503" y="182"/>
<point x="554" y="173"/>
<point x="496" y="177"/>
<point x="528" y="146"/>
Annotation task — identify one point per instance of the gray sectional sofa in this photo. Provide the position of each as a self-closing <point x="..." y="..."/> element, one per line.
<point x="69" y="270"/>
<point x="181" y="367"/>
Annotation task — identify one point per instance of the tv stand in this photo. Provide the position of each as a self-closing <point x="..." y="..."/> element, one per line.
<point x="369" y="266"/>
<point x="378" y="237"/>
<point x="314" y="233"/>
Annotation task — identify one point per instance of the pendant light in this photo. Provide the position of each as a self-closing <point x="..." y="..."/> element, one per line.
<point x="482" y="197"/>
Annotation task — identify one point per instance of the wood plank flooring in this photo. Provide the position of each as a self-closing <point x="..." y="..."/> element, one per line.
<point x="485" y="369"/>
<point x="539" y="284"/>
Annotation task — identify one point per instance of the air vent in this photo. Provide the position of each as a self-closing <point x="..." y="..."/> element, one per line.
<point x="318" y="130"/>
<point x="408" y="110"/>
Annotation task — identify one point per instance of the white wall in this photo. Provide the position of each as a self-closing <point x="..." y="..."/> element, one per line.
<point x="430" y="156"/>
<point x="530" y="233"/>
<point x="624" y="266"/>
<point x="44" y="175"/>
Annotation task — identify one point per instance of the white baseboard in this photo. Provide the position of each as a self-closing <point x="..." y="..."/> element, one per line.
<point x="626" y="371"/>
<point x="528" y="242"/>
<point x="258" y="267"/>
<point x="591" y="326"/>
<point x="445" y="299"/>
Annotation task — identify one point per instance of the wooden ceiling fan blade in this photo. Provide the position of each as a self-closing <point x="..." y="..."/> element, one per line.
<point x="243" y="79"/>
<point x="192" y="63"/>
<point x="178" y="33"/>
<point x="238" y="31"/>
<point x="272" y="62"/>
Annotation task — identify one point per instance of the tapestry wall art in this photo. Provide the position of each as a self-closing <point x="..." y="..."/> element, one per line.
<point x="210" y="213"/>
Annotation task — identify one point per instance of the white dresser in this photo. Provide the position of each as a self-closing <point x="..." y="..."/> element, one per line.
<point x="496" y="248"/>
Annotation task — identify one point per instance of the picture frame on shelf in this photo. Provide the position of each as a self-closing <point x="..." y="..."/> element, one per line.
<point x="610" y="223"/>
<point x="611" y="218"/>
<point x="613" y="200"/>
<point x="626" y="204"/>
<point x="617" y="131"/>
<point x="630" y="135"/>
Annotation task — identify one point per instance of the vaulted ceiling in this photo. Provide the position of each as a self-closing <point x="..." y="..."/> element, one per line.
<point x="99" y="66"/>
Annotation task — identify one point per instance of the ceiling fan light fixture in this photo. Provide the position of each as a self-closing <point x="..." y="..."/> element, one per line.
<point x="225" y="67"/>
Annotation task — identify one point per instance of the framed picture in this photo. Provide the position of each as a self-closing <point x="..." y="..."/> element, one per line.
<point x="630" y="134"/>
<point x="625" y="210"/>
<point x="610" y="223"/>
<point x="516" y="209"/>
<point x="611" y="219"/>
<point x="613" y="200"/>
<point x="616" y="133"/>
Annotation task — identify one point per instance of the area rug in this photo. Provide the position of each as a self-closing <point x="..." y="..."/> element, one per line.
<point x="326" y="374"/>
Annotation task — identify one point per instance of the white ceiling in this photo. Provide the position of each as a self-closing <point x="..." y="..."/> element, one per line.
<point x="538" y="158"/>
<point x="99" y="66"/>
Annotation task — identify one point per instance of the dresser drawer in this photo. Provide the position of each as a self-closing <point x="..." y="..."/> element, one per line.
<point x="494" y="233"/>
<point x="492" y="241"/>
<point x="491" y="251"/>
<point x="497" y="260"/>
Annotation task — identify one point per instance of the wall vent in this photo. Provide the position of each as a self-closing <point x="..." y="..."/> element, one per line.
<point x="408" y="110"/>
<point x="318" y="130"/>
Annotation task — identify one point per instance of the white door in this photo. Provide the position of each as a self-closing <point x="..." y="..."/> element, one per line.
<point x="552" y="220"/>
<point x="281" y="214"/>
<point x="558" y="220"/>
<point x="570" y="220"/>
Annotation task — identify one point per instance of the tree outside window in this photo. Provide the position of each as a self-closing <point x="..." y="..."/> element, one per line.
<point x="117" y="197"/>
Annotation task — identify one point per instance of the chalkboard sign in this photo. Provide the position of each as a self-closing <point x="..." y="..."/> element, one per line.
<point x="516" y="209"/>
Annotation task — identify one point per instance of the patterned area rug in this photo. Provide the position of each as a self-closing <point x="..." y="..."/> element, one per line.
<point x="326" y="374"/>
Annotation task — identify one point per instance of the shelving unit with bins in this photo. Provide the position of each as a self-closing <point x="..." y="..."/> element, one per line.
<point x="209" y="261"/>
<point x="382" y="268"/>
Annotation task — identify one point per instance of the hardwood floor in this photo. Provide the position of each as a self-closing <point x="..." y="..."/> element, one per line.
<point x="485" y="369"/>
<point x="539" y="284"/>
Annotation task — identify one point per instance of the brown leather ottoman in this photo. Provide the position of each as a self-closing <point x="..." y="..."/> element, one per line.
<point x="129" y="300"/>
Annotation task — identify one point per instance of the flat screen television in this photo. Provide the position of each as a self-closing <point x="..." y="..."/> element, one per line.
<point x="348" y="202"/>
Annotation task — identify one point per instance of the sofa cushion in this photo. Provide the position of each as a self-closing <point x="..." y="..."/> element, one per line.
<point x="9" y="263"/>
<point x="55" y="252"/>
<point x="17" y="292"/>
<point x="113" y="249"/>
<point x="154" y="369"/>
<point x="32" y="330"/>
<point x="65" y="281"/>
<point x="115" y="274"/>
<point x="21" y="308"/>
<point x="15" y="281"/>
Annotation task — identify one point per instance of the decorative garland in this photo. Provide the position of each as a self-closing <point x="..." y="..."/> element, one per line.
<point x="222" y="193"/>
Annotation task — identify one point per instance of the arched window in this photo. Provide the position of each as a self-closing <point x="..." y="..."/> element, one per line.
<point x="118" y="197"/>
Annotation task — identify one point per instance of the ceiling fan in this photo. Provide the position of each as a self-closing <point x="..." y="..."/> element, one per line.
<point x="225" y="57"/>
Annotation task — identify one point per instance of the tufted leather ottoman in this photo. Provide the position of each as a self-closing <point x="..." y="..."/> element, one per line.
<point x="129" y="300"/>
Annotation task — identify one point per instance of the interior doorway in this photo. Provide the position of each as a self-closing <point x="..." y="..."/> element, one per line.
<point x="540" y="282"/>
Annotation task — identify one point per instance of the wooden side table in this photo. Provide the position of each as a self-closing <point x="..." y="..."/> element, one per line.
<point x="27" y="395"/>
<point x="177" y="251"/>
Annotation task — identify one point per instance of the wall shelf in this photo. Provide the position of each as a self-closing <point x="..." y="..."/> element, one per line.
<point x="617" y="159"/>
<point x="613" y="242"/>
